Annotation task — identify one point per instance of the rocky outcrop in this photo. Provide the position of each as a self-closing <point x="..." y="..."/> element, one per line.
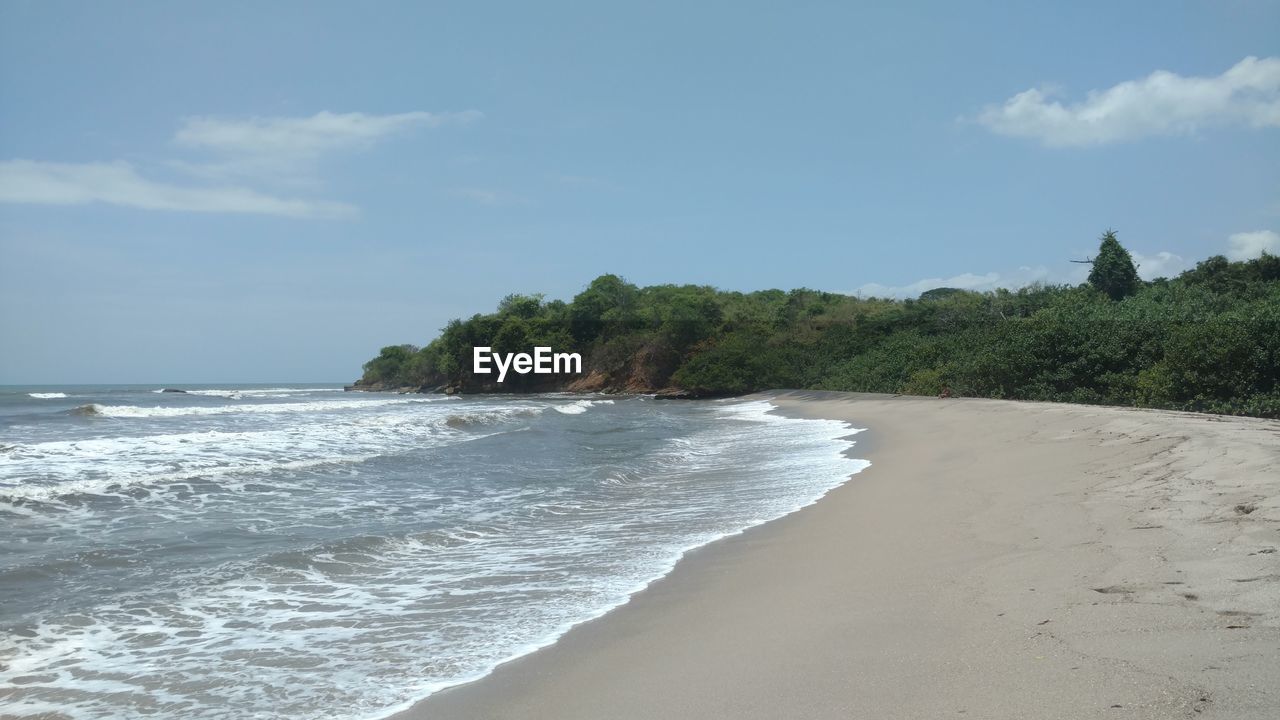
<point x="592" y="382"/>
<point x="646" y="370"/>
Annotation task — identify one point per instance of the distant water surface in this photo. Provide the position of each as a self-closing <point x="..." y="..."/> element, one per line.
<point x="301" y="552"/>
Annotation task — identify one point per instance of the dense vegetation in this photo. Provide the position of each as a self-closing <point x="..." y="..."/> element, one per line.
<point x="1208" y="340"/>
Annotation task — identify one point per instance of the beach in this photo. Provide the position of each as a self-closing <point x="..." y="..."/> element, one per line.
<point x="997" y="560"/>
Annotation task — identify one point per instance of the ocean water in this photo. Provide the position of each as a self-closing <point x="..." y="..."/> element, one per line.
<point x="300" y="552"/>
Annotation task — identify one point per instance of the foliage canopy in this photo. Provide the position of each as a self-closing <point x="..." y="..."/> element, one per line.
<point x="1208" y="340"/>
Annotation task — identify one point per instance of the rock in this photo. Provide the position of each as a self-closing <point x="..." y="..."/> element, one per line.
<point x="595" y="381"/>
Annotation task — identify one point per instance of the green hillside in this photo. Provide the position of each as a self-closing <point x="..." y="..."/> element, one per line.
<point x="1208" y="340"/>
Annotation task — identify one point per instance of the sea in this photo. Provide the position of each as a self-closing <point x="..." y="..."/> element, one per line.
<point x="296" y="551"/>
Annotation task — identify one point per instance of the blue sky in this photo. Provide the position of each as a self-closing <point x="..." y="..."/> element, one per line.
<point x="236" y="192"/>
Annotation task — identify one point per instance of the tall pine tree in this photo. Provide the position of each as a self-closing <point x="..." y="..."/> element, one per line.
<point x="1113" y="271"/>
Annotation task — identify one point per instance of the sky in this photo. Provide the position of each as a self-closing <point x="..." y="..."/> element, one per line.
<point x="270" y="192"/>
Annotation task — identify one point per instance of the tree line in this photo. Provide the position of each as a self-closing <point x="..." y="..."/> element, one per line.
<point x="1207" y="340"/>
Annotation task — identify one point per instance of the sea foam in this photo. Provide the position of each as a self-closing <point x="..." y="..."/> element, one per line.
<point x="158" y="411"/>
<point x="345" y="562"/>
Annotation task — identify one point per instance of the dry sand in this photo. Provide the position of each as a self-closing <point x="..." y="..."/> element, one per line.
<point x="998" y="560"/>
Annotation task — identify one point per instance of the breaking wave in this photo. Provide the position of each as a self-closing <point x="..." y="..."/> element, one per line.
<point x="343" y="558"/>
<point x="135" y="411"/>
<point x="580" y="406"/>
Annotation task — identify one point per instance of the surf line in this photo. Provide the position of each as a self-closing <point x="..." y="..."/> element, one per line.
<point x="542" y="362"/>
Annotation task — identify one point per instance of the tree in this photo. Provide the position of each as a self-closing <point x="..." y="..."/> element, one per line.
<point x="940" y="293"/>
<point x="1206" y="340"/>
<point x="388" y="367"/>
<point x="607" y="301"/>
<point x="523" y="306"/>
<point x="1113" y="271"/>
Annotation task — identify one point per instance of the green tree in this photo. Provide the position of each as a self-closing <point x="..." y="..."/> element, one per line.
<point x="389" y="366"/>
<point x="606" y="303"/>
<point x="1113" y="271"/>
<point x="1207" y="340"/>
<point x="523" y="306"/>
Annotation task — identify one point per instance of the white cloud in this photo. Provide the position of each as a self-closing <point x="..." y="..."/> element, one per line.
<point x="287" y="148"/>
<point x="245" y="153"/>
<point x="305" y="136"/>
<point x="1163" y="103"/>
<point x="1021" y="277"/>
<point x="43" y="183"/>
<point x="1162" y="264"/>
<point x="1249" y="245"/>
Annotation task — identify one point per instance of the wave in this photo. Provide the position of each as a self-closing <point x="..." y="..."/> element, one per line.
<point x="118" y="465"/>
<point x="118" y="486"/>
<point x="580" y="406"/>
<point x="47" y="395"/>
<point x="491" y="415"/>
<point x="230" y="394"/>
<point x="480" y="567"/>
<point x="237" y="393"/>
<point x="137" y="411"/>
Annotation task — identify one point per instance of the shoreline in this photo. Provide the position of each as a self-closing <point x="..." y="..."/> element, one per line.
<point x="1068" y="561"/>
<point x="846" y="435"/>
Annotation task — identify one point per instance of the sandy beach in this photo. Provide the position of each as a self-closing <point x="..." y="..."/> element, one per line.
<point x="997" y="560"/>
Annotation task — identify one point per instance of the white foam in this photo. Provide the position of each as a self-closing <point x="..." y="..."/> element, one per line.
<point x="381" y="622"/>
<point x="47" y="395"/>
<point x="110" y="465"/>
<point x="231" y="394"/>
<point x="580" y="406"/>
<point x="249" y="392"/>
<point x="238" y="393"/>
<point x="155" y="411"/>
